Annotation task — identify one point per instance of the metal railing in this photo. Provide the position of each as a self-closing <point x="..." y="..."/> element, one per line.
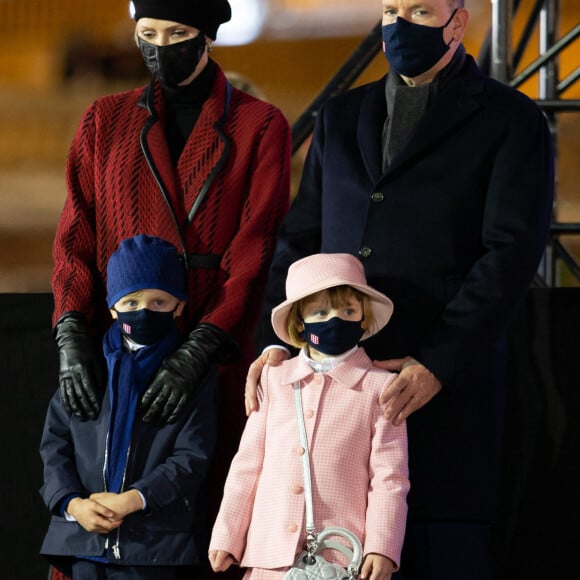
<point x="497" y="60"/>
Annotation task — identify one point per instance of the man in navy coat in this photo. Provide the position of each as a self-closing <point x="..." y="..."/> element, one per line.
<point x="441" y="181"/>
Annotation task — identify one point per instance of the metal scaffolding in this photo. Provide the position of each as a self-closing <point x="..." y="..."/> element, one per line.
<point x="499" y="60"/>
<point x="545" y="16"/>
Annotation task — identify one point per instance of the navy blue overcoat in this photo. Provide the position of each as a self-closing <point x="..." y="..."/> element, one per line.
<point x="453" y="231"/>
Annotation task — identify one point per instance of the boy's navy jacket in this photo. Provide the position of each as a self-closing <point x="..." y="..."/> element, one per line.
<point x="167" y="464"/>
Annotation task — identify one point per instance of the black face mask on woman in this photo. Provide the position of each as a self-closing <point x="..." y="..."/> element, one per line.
<point x="146" y="326"/>
<point x="413" y="49"/>
<point x="171" y="64"/>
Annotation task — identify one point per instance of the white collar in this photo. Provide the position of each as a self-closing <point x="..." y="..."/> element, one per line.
<point x="327" y="363"/>
<point x="131" y="345"/>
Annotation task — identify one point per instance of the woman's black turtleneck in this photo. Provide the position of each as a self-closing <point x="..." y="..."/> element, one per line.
<point x="182" y="109"/>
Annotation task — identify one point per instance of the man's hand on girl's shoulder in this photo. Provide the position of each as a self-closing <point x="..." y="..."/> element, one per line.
<point x="415" y="386"/>
<point x="273" y="356"/>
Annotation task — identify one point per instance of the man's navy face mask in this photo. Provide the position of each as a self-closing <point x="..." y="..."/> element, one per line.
<point x="171" y="64"/>
<point x="146" y="326"/>
<point x="333" y="336"/>
<point x="413" y="49"/>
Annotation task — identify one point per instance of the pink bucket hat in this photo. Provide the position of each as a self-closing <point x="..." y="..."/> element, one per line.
<point x="321" y="271"/>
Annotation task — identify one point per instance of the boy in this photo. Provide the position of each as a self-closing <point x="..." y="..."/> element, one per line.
<point x="124" y="493"/>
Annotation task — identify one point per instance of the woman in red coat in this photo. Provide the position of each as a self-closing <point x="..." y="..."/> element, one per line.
<point x="192" y="160"/>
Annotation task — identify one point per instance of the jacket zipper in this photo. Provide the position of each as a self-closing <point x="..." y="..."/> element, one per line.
<point x="105" y="478"/>
<point x="116" y="546"/>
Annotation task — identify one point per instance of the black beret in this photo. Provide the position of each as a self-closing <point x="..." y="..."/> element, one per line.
<point x="205" y="15"/>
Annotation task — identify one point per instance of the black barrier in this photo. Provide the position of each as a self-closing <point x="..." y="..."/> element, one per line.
<point x="28" y="370"/>
<point x="540" y="507"/>
<point x="540" y="487"/>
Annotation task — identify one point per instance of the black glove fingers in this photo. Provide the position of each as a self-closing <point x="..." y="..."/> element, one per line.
<point x="65" y="390"/>
<point x="78" y="361"/>
<point x="172" y="394"/>
<point x="172" y="405"/>
<point x="87" y="396"/>
<point x="183" y="372"/>
<point x="72" y="398"/>
<point x="153" y="412"/>
<point x="155" y="402"/>
<point x="153" y="391"/>
<point x="81" y="406"/>
<point x="178" y="409"/>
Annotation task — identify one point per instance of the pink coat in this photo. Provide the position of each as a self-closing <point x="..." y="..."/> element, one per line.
<point x="358" y="463"/>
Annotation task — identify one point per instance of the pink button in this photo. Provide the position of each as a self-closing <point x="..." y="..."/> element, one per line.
<point x="297" y="489"/>
<point x="299" y="451"/>
<point x="293" y="528"/>
<point x="309" y="413"/>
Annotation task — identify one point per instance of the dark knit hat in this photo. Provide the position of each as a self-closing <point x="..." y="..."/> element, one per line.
<point x="144" y="262"/>
<point x="205" y="15"/>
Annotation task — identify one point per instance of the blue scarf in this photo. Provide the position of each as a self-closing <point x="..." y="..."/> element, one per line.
<point x="129" y="375"/>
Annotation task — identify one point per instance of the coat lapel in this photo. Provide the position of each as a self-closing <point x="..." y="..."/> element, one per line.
<point x="373" y="113"/>
<point x="202" y="158"/>
<point x="353" y="371"/>
<point x="206" y="149"/>
<point x="296" y="369"/>
<point x="156" y="151"/>
<point x="453" y="106"/>
<point x="450" y="109"/>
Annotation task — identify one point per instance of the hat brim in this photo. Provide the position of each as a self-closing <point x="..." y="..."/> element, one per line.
<point x="381" y="306"/>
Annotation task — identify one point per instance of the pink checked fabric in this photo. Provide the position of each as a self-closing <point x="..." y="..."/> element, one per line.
<point x="358" y="463"/>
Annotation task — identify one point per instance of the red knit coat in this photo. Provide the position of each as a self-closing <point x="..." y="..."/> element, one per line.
<point x="117" y="155"/>
<point x="113" y="194"/>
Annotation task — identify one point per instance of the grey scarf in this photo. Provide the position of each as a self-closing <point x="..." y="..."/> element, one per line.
<point x="406" y="105"/>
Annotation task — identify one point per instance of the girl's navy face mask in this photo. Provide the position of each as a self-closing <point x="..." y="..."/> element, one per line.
<point x="413" y="49"/>
<point x="333" y="336"/>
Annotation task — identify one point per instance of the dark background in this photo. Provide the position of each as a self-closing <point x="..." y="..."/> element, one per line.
<point x="535" y="537"/>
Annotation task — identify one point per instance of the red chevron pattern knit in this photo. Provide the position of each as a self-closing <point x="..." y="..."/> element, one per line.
<point x="113" y="194"/>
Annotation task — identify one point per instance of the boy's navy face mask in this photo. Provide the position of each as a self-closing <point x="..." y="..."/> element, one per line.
<point x="413" y="49"/>
<point x="146" y="326"/>
<point x="171" y="64"/>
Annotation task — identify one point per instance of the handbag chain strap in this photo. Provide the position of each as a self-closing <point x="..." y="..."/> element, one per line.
<point x="312" y="538"/>
<point x="311" y="541"/>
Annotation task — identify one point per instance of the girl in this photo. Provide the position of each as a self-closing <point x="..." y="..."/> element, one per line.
<point x="358" y="459"/>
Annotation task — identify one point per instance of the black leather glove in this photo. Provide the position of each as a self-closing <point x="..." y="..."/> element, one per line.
<point x="81" y="371"/>
<point x="183" y="371"/>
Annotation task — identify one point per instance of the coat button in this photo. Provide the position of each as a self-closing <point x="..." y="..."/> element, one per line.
<point x="299" y="451"/>
<point x="365" y="252"/>
<point x="309" y="413"/>
<point x="377" y="197"/>
<point x="318" y="380"/>
<point x="297" y="489"/>
<point x="292" y="528"/>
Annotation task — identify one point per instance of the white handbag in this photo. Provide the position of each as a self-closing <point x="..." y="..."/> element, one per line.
<point x="310" y="564"/>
